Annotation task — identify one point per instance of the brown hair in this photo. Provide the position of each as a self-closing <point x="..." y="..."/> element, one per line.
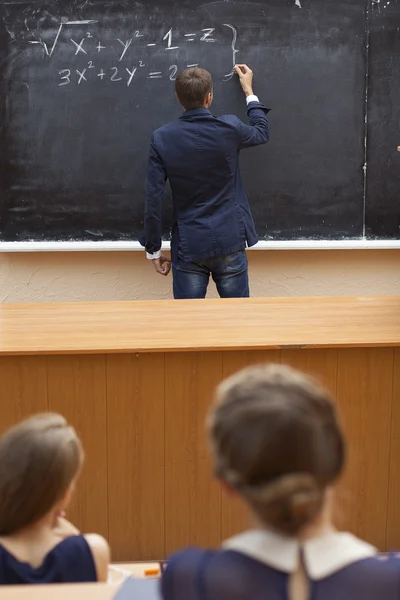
<point x="276" y="439"/>
<point x="39" y="459"/>
<point x="192" y="87"/>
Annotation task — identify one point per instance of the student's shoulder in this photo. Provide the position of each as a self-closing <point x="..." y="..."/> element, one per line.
<point x="187" y="568"/>
<point x="381" y="571"/>
<point x="383" y="563"/>
<point x="92" y="541"/>
<point x="100" y="550"/>
<point x="88" y="551"/>
<point x="181" y="573"/>
<point x="188" y="561"/>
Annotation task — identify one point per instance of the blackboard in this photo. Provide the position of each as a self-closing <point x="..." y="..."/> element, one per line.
<point x="83" y="83"/>
<point x="383" y="173"/>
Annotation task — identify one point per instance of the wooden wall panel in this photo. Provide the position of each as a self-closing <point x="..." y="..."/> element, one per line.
<point x="192" y="497"/>
<point x="77" y="390"/>
<point x="136" y="458"/>
<point x="23" y="388"/>
<point x="321" y="363"/>
<point x="236" y="360"/>
<point x="147" y="480"/>
<point x="364" y="392"/>
<point x="393" y="512"/>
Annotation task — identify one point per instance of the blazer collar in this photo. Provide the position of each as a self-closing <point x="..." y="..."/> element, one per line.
<point x="194" y="112"/>
<point x="323" y="555"/>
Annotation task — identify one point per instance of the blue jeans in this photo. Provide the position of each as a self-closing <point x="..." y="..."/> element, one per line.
<point x="230" y="273"/>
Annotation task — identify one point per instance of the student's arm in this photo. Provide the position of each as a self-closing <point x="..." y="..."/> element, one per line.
<point x="156" y="178"/>
<point x="101" y="555"/>
<point x="257" y="132"/>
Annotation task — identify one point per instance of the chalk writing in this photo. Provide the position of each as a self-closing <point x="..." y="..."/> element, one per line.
<point x="126" y="46"/>
<point x="173" y="71"/>
<point x="50" y="52"/>
<point x="127" y="49"/>
<point x="234" y="50"/>
<point x="81" y="75"/>
<point x="65" y="77"/>
<point x="168" y="37"/>
<point x="79" y="47"/>
<point x="206" y="37"/>
<point x="131" y="75"/>
<point x="114" y="74"/>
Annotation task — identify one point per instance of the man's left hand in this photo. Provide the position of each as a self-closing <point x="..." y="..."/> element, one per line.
<point x="162" y="265"/>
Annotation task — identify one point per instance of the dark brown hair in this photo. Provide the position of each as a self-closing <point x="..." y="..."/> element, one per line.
<point x="276" y="439"/>
<point x="39" y="459"/>
<point x="192" y="87"/>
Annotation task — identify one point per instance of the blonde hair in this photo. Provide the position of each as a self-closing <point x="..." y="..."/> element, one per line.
<point x="276" y="439"/>
<point x="39" y="459"/>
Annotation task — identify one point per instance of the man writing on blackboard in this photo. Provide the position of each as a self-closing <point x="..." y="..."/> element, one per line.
<point x="199" y="154"/>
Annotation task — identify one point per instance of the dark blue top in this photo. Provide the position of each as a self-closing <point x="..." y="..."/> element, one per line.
<point x="71" y="561"/>
<point x="229" y="575"/>
<point x="199" y="155"/>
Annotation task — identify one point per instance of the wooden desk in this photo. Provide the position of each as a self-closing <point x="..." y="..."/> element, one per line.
<point x="84" y="591"/>
<point x="198" y="325"/>
<point x="136" y="379"/>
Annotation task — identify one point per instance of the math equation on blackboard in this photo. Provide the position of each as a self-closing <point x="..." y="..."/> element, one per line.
<point x="87" y="53"/>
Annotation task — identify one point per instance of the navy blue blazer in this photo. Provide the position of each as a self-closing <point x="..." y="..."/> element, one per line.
<point x="199" y="155"/>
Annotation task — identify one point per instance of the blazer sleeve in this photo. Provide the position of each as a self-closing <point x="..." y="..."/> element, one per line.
<point x="156" y="179"/>
<point x="257" y="132"/>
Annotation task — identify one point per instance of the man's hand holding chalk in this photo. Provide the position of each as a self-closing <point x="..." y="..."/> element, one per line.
<point x="245" y="75"/>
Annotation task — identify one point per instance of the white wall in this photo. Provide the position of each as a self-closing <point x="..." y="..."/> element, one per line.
<point x="58" y="277"/>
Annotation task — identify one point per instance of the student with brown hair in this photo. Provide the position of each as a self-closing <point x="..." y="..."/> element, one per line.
<point x="277" y="444"/>
<point x="40" y="462"/>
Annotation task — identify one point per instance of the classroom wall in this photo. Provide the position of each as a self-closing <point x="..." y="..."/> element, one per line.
<point x="60" y="277"/>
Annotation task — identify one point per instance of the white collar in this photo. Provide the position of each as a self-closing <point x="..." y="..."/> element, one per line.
<point x="323" y="555"/>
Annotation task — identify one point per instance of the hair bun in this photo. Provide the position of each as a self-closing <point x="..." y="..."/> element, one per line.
<point x="288" y="503"/>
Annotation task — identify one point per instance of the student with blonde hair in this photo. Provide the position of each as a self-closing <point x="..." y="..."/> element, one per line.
<point x="40" y="462"/>
<point x="277" y="445"/>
